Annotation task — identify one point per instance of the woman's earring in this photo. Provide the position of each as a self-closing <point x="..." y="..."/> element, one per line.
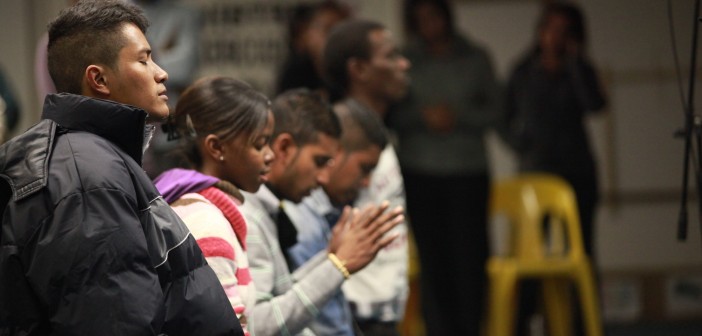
<point x="221" y="158"/>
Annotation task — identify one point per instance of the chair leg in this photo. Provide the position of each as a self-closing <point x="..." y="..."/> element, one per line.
<point x="589" y="300"/>
<point x="557" y="303"/>
<point x="502" y="302"/>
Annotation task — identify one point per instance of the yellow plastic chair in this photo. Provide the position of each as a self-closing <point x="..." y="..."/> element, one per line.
<point x="549" y="250"/>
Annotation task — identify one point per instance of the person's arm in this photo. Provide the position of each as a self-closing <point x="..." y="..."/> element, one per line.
<point x="586" y="84"/>
<point x="289" y="312"/>
<point x="91" y="267"/>
<point x="219" y="245"/>
<point x="360" y="234"/>
<point x="512" y="126"/>
<point x="356" y="241"/>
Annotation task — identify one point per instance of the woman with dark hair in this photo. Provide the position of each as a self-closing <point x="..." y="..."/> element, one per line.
<point x="551" y="91"/>
<point x="225" y="128"/>
<point x="452" y="102"/>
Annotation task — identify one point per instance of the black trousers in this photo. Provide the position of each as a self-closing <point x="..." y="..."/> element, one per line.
<point x="449" y="218"/>
<point x="376" y="328"/>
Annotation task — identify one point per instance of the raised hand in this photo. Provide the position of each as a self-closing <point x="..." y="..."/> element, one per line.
<point x="360" y="234"/>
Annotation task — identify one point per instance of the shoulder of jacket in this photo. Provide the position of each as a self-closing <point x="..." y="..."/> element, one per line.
<point x="24" y="159"/>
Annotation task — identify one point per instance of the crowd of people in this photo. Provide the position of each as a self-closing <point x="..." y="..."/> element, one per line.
<point x="284" y="215"/>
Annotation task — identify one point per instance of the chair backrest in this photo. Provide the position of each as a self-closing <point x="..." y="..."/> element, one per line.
<point x="543" y="216"/>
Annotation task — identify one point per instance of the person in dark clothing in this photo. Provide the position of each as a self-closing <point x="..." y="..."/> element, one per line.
<point x="89" y="247"/>
<point x="308" y="29"/>
<point x="454" y="100"/>
<point x="550" y="92"/>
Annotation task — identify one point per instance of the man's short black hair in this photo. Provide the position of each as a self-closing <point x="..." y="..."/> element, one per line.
<point x="361" y="128"/>
<point x="304" y="114"/>
<point x="88" y="33"/>
<point x="350" y="39"/>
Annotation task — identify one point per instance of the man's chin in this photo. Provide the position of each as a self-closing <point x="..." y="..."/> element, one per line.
<point x="342" y="201"/>
<point x="296" y="199"/>
<point x="158" y="115"/>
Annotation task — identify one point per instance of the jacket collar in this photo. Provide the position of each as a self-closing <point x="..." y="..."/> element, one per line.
<point x="23" y="160"/>
<point x="121" y="124"/>
<point x="176" y="182"/>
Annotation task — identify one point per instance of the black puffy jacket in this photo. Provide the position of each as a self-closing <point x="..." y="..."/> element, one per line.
<point x="89" y="247"/>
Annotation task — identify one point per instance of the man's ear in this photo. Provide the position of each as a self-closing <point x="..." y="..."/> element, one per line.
<point x="284" y="147"/>
<point x="356" y="69"/>
<point x="96" y="81"/>
<point x="213" y="147"/>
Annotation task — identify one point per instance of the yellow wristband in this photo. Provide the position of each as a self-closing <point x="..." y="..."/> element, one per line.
<point x="339" y="264"/>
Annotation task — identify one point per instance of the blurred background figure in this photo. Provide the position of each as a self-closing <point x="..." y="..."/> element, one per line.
<point x="9" y="108"/>
<point x="453" y="100"/>
<point x="550" y="92"/>
<point x="363" y="63"/>
<point x="308" y="28"/>
<point x="174" y="35"/>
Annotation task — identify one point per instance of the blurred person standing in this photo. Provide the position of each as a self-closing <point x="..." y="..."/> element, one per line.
<point x="551" y="91"/>
<point x="363" y="63"/>
<point x="307" y="32"/>
<point x="452" y="102"/>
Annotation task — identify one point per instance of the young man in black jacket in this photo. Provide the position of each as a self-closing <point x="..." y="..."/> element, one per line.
<point x="88" y="245"/>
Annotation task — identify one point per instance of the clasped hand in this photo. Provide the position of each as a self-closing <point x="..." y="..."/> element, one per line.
<point x="360" y="234"/>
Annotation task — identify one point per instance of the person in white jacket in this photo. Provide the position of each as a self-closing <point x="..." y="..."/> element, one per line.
<point x="363" y="65"/>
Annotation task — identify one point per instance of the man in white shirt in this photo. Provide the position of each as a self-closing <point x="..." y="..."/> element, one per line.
<point x="363" y="64"/>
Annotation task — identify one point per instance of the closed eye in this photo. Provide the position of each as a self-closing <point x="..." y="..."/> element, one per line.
<point x="321" y="161"/>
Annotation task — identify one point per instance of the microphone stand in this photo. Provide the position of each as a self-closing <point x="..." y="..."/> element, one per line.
<point x="692" y="128"/>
